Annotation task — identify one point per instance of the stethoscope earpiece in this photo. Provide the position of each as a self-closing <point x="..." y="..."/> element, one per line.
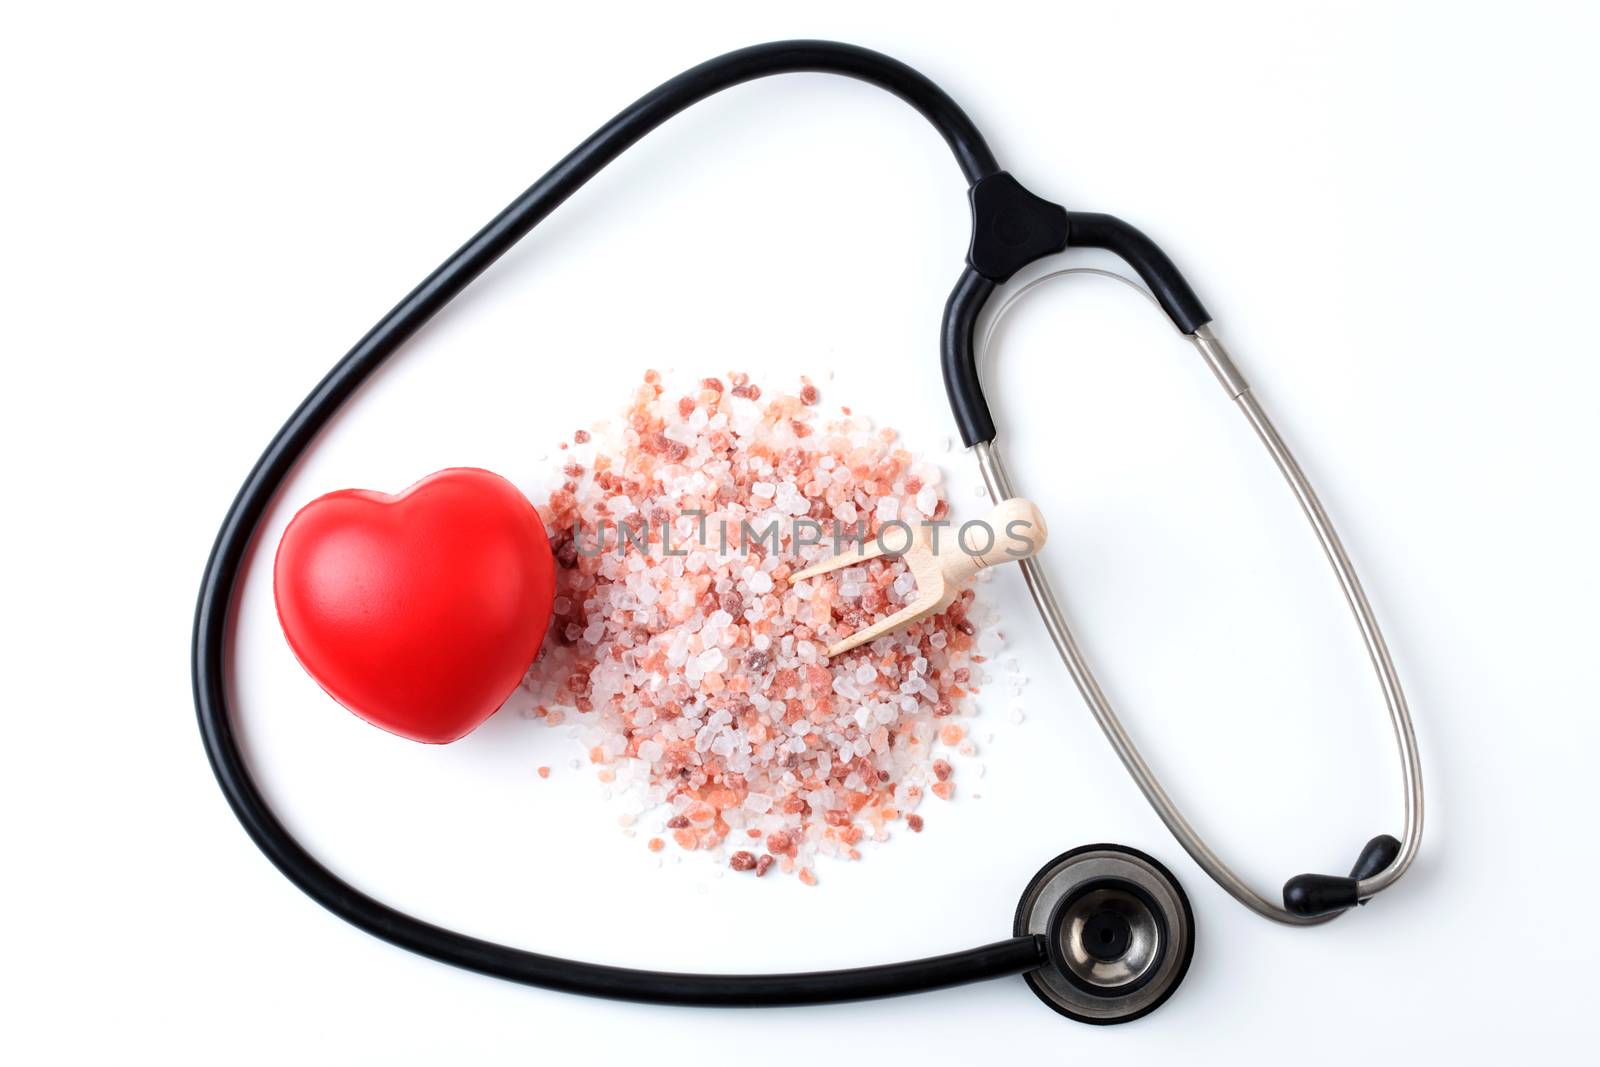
<point x="1323" y="894"/>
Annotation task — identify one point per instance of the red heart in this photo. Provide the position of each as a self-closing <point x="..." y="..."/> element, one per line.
<point x="419" y="612"/>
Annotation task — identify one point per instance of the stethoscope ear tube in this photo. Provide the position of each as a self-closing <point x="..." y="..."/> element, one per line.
<point x="1308" y="898"/>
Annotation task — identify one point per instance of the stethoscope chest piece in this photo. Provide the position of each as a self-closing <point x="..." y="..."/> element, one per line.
<point x="1117" y="929"/>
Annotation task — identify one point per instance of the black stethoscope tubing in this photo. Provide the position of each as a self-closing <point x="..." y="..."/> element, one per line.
<point x="1001" y="207"/>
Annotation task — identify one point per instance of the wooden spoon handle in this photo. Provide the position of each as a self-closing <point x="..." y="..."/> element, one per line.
<point x="1014" y="530"/>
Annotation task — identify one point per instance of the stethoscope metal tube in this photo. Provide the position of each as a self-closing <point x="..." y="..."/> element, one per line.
<point x="1310" y="892"/>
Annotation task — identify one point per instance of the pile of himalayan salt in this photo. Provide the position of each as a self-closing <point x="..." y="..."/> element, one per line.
<point x="700" y="681"/>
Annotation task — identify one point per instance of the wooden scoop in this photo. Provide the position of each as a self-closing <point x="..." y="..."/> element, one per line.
<point x="1019" y="532"/>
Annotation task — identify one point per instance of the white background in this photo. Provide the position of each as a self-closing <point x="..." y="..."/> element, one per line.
<point x="1389" y="209"/>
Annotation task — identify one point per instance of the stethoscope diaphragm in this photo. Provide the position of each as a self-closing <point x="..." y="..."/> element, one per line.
<point x="1117" y="930"/>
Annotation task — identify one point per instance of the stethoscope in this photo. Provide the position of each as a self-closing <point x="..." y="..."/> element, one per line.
<point x="1103" y="933"/>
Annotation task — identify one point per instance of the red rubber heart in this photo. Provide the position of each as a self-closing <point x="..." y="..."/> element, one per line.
<point x="421" y="611"/>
